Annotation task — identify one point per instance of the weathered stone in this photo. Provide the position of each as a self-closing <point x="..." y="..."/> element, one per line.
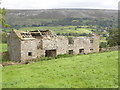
<point x="23" y="46"/>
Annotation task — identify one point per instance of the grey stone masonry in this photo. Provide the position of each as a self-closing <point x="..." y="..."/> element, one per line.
<point x="23" y="46"/>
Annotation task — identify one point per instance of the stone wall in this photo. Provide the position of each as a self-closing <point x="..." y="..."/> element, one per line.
<point x="78" y="44"/>
<point x="32" y="48"/>
<point x="14" y="47"/>
<point x="62" y="45"/>
<point x="28" y="49"/>
<point x="39" y="51"/>
<point x="49" y="43"/>
<point x="95" y="44"/>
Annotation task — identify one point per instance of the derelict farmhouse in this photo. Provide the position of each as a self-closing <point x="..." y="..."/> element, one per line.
<point x="28" y="45"/>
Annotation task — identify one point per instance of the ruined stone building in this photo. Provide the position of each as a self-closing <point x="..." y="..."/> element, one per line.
<point x="24" y="46"/>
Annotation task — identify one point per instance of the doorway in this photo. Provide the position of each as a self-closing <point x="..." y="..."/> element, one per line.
<point x="50" y="53"/>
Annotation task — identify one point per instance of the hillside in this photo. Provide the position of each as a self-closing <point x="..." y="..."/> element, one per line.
<point x="29" y="17"/>
<point x="66" y="22"/>
<point x="99" y="70"/>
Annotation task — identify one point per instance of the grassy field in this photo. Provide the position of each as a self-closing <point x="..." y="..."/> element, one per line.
<point x="3" y="47"/>
<point x="59" y="29"/>
<point x="99" y="70"/>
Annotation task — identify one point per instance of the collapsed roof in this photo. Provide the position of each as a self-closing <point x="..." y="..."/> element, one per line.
<point x="29" y="35"/>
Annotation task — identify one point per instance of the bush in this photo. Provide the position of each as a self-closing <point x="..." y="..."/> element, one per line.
<point x="103" y="44"/>
<point x="113" y="39"/>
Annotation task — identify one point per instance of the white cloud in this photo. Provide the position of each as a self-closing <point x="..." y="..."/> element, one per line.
<point x="49" y="4"/>
<point x="26" y="4"/>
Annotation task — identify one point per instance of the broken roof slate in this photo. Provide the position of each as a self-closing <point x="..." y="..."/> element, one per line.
<point x="18" y="33"/>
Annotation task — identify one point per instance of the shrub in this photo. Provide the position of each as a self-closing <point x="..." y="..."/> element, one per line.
<point x="103" y="44"/>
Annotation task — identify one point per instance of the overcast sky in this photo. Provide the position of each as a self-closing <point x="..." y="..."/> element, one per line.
<point x="51" y="4"/>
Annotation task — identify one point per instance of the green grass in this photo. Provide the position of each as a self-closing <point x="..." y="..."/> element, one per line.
<point x="99" y="70"/>
<point x="59" y="29"/>
<point x="3" y="46"/>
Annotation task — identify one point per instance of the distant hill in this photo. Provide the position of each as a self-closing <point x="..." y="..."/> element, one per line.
<point x="29" y="17"/>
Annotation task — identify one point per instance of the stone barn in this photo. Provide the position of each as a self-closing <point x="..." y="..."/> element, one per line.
<point x="29" y="45"/>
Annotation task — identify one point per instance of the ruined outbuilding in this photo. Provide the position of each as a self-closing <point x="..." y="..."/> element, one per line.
<point x="29" y="45"/>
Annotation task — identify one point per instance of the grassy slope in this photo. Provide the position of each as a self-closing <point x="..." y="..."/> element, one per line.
<point x="30" y="17"/>
<point x="81" y="71"/>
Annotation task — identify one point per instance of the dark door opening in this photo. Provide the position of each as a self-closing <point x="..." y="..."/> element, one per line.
<point x="50" y="53"/>
<point x="81" y="51"/>
<point x="70" y="52"/>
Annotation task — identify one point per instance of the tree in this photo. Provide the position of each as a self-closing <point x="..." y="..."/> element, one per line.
<point x="3" y="24"/>
<point x="113" y="38"/>
<point x="2" y="17"/>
